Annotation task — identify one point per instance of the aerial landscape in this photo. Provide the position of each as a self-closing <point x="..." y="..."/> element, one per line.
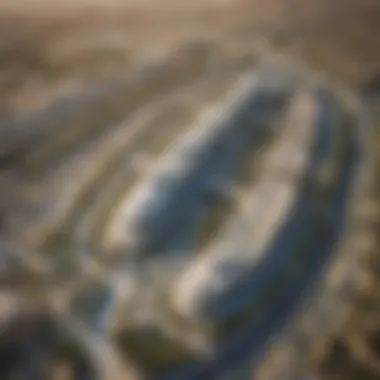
<point x="189" y="189"/>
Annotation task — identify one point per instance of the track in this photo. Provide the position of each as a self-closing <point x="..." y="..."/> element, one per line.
<point x="172" y="220"/>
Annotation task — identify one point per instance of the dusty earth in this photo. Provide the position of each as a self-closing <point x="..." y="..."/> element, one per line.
<point x="49" y="49"/>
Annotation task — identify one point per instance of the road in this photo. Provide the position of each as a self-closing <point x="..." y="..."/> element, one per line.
<point x="173" y="224"/>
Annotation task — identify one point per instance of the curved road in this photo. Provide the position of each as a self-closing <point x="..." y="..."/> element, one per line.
<point x="171" y="221"/>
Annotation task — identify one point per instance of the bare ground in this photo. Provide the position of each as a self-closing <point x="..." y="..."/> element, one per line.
<point x="56" y="47"/>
